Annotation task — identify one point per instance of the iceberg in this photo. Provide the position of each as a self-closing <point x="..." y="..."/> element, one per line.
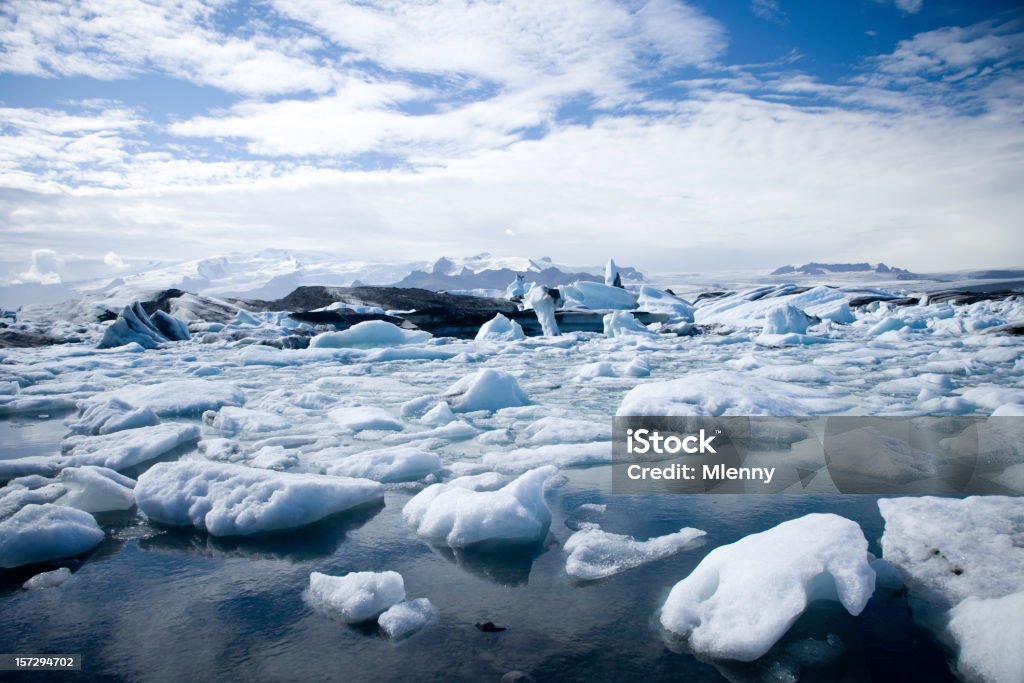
<point x="460" y="517"/>
<point x="359" y="418"/>
<point x="623" y="324"/>
<point x="654" y="300"/>
<point x="963" y="562"/>
<point x="744" y="596"/>
<point x="500" y="328"/>
<point x="486" y="389"/>
<point x="388" y="465"/>
<point x="597" y="297"/>
<point x="234" y="500"/>
<point x="174" y="398"/>
<point x="112" y="415"/>
<point x="723" y="392"/>
<point x="544" y="301"/>
<point x="595" y="554"/>
<point x="368" y="335"/>
<point x="40" y="533"/>
<point x="403" y="619"/>
<point x="51" y="579"/>
<point x="356" y="596"/>
<point x="127" y="448"/>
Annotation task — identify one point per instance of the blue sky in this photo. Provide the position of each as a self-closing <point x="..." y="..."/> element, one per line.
<point x="672" y="135"/>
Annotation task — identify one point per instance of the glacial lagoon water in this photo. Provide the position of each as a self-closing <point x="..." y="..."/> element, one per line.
<point x="169" y="605"/>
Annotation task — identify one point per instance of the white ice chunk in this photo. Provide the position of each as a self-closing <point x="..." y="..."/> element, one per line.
<point x="988" y="633"/>
<point x="39" y="533"/>
<point x="543" y="304"/>
<point x="184" y="397"/>
<point x="785" y="319"/>
<point x="460" y="517"/>
<point x="48" y="579"/>
<point x="359" y="418"/>
<point x="595" y="554"/>
<point x="597" y="296"/>
<point x="500" y="328"/>
<point x="486" y="389"/>
<point x="233" y="420"/>
<point x="744" y="596"/>
<point x="721" y="392"/>
<point x="623" y="324"/>
<point x="233" y="500"/>
<point x="949" y="549"/>
<point x="369" y="334"/>
<point x="387" y="465"/>
<point x="356" y="596"/>
<point x="550" y="430"/>
<point x="13" y="405"/>
<point x="654" y="300"/>
<point x="439" y="415"/>
<point x="127" y="448"/>
<point x="405" y="618"/>
<point x="561" y="455"/>
<point x="112" y="415"/>
<point x="95" y="489"/>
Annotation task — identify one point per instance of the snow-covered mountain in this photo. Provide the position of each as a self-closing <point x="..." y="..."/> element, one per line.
<point x="274" y="273"/>
<point x="815" y="268"/>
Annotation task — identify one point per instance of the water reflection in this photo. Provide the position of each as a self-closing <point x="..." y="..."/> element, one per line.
<point x="315" y="541"/>
<point x="506" y="565"/>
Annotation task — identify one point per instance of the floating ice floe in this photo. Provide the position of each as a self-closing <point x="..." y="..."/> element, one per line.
<point x="486" y="389"/>
<point x="500" y="328"/>
<point x="552" y="430"/>
<point x="112" y="415"/>
<point x="597" y="296"/>
<point x="595" y="554"/>
<point x="368" y="335"/>
<point x="359" y="418"/>
<point x="722" y="392"/>
<point x="40" y="533"/>
<point x="48" y="579"/>
<point x="623" y="324"/>
<point x="234" y="500"/>
<point x="127" y="448"/>
<point x="233" y="420"/>
<point x="543" y="302"/>
<point x="963" y="563"/>
<point x="403" y="619"/>
<point x="785" y="325"/>
<point x="460" y="517"/>
<point x="654" y="300"/>
<point x="134" y="325"/>
<point x="561" y="455"/>
<point x="175" y="398"/>
<point x="439" y="415"/>
<point x="13" y="405"/>
<point x="93" y="489"/>
<point x="744" y="596"/>
<point x="388" y="465"/>
<point x="357" y="596"/>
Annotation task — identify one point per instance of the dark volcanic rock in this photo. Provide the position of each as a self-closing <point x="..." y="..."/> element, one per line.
<point x="962" y="297"/>
<point x="13" y="338"/>
<point x="342" y="319"/>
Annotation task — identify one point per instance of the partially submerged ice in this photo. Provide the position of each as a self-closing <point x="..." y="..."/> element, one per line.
<point x="595" y="554"/>
<point x="743" y="597"/>
<point x="500" y="328"/>
<point x="403" y="619"/>
<point x="369" y="334"/>
<point x="356" y="596"/>
<point x="460" y="517"/>
<point x="963" y="563"/>
<point x="40" y="533"/>
<point x="486" y="389"/>
<point x="234" y="500"/>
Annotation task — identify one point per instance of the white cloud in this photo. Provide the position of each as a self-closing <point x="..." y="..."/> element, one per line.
<point x="770" y="10"/>
<point x="44" y="268"/>
<point x="109" y="39"/>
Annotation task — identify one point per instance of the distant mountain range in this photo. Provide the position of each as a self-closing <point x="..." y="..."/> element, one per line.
<point x="815" y="268"/>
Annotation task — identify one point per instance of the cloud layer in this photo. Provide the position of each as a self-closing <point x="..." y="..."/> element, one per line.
<point x="406" y="130"/>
